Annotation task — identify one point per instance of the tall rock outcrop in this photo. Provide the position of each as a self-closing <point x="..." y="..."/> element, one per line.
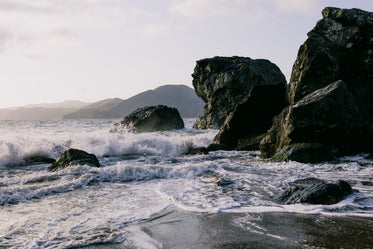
<point x="340" y="47"/>
<point x="223" y="82"/>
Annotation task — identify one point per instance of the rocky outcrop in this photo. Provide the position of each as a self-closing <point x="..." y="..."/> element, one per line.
<point x="317" y="193"/>
<point x="340" y="47"/>
<point x="150" y="118"/>
<point x="73" y="157"/>
<point x="223" y="82"/>
<point x="329" y="116"/>
<point x="252" y="118"/>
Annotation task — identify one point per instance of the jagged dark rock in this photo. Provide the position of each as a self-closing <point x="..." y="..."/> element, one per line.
<point x="329" y="116"/>
<point x="306" y="153"/>
<point x="316" y="193"/>
<point x="150" y="118"/>
<point x="252" y="117"/>
<point x="223" y="82"/>
<point x="340" y="47"/>
<point x="73" y="157"/>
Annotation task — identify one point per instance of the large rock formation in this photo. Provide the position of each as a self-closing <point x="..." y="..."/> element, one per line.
<point x="340" y="47"/>
<point x="317" y="193"/>
<point x="73" y="157"/>
<point x="329" y="116"/>
<point x="223" y="82"/>
<point x="150" y="118"/>
<point x="252" y="118"/>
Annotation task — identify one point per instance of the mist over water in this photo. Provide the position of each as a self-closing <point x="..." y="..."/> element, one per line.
<point x="141" y="178"/>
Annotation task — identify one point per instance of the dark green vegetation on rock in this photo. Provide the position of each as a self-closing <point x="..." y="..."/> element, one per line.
<point x="73" y="157"/>
<point x="223" y="82"/>
<point x="151" y="118"/>
<point x="306" y="153"/>
<point x="340" y="47"/>
<point x="316" y="193"/>
<point x="179" y="96"/>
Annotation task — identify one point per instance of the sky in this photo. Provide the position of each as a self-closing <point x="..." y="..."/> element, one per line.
<point x="89" y="50"/>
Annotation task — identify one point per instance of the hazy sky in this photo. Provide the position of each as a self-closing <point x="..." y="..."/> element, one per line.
<point x="55" y="50"/>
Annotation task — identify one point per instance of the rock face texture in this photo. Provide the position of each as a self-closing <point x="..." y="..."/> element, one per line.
<point x="317" y="193"/>
<point x="223" y="82"/>
<point x="329" y="116"/>
<point x="150" y="118"/>
<point x="252" y="117"/>
<point x="340" y="47"/>
<point x="306" y="153"/>
<point x="72" y="157"/>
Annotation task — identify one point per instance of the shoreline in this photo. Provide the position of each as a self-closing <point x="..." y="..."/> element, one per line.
<point x="181" y="229"/>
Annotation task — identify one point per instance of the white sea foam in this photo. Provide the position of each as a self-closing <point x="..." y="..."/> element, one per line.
<point x="50" y="141"/>
<point x="142" y="175"/>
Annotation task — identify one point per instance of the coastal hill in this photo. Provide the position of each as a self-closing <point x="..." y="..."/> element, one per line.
<point x="41" y="111"/>
<point x="179" y="96"/>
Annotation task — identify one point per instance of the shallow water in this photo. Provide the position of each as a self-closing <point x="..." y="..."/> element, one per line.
<point x="142" y="178"/>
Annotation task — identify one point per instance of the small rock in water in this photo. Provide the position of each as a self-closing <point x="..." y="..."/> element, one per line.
<point x="317" y="193"/>
<point x="150" y="118"/>
<point x="72" y="157"/>
<point x="224" y="182"/>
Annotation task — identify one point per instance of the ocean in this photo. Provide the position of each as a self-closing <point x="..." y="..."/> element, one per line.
<point x="149" y="194"/>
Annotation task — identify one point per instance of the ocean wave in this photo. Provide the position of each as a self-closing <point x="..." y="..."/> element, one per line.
<point x="14" y="150"/>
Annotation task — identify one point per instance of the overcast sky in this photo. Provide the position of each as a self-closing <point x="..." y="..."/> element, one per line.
<point x="55" y="50"/>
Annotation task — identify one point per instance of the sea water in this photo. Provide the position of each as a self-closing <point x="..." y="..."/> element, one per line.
<point x="142" y="175"/>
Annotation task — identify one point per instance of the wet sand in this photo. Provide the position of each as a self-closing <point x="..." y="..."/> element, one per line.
<point x="180" y="229"/>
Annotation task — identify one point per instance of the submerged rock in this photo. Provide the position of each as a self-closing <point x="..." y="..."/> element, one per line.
<point x="224" y="182"/>
<point x="73" y="157"/>
<point x="329" y="116"/>
<point x="198" y="150"/>
<point x="317" y="193"/>
<point x="150" y="118"/>
<point x="223" y="82"/>
<point x="339" y="47"/>
<point x="252" y="117"/>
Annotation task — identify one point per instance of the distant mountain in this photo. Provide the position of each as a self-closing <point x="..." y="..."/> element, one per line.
<point x="180" y="96"/>
<point x="41" y="111"/>
<point x="35" y="113"/>
<point x="63" y="104"/>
